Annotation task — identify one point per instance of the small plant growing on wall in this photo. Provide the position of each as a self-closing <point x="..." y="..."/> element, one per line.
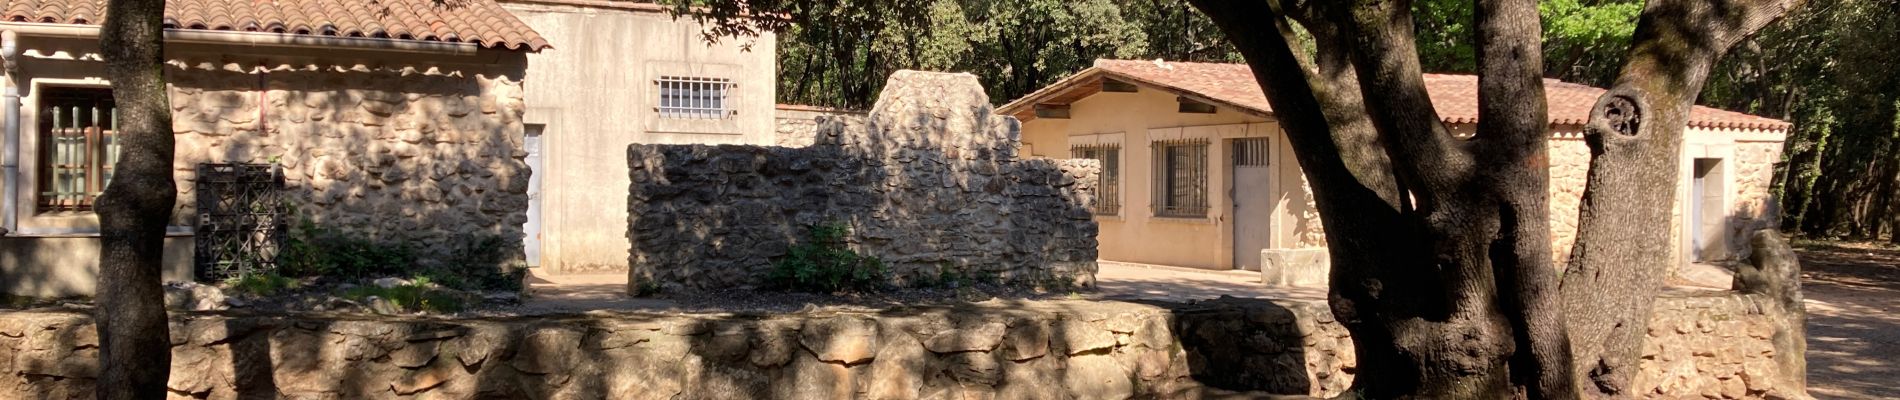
<point x="825" y="264"/>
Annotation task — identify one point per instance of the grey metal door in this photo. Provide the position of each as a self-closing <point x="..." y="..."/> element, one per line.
<point x="1252" y="214"/>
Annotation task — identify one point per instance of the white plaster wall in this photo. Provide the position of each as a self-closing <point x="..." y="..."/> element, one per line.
<point x="595" y="93"/>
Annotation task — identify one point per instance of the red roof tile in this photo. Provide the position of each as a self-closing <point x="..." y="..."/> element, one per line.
<point x="482" y="22"/>
<point x="1454" y="96"/>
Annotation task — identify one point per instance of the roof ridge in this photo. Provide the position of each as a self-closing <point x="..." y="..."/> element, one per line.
<point x="1453" y="95"/>
<point x="480" y="22"/>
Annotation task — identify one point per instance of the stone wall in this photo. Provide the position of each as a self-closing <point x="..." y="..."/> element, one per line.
<point x="1714" y="346"/>
<point x="1058" y="350"/>
<point x="929" y="182"/>
<point x="1719" y="345"/>
<point x="432" y="158"/>
<point x="797" y="126"/>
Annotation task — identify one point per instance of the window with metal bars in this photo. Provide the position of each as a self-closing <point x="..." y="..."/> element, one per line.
<point x="1250" y="152"/>
<point x="1180" y="188"/>
<point x="1108" y="199"/>
<point x="694" y="98"/>
<point x="78" y="147"/>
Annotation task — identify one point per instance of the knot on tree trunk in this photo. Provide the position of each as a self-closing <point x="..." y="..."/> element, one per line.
<point x="1618" y="113"/>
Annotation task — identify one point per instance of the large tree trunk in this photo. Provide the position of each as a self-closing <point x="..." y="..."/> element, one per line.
<point x="134" y="343"/>
<point x="1441" y="246"/>
<point x="1441" y="263"/>
<point x="1635" y="136"/>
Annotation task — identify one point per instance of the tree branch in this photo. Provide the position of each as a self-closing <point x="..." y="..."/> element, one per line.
<point x="1427" y="158"/>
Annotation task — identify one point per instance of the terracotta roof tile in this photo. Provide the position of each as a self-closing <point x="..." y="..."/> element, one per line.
<point x="1454" y="96"/>
<point x="481" y="22"/>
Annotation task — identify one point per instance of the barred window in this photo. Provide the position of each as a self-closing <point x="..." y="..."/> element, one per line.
<point x="1180" y="188"/>
<point x="1108" y="199"/>
<point x="78" y="147"/>
<point x="694" y="98"/>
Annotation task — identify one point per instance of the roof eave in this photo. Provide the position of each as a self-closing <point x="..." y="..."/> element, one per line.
<point x="1027" y="102"/>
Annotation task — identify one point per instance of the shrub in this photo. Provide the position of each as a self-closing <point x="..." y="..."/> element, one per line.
<point x="825" y="264"/>
<point x="418" y="295"/>
<point x="262" y="284"/>
<point x="478" y="263"/>
<point x="312" y="250"/>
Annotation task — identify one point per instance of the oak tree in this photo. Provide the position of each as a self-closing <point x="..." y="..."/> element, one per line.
<point x="134" y="340"/>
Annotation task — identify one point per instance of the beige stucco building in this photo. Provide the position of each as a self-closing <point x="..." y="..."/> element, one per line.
<point x="1203" y="176"/>
<point x="626" y="73"/>
<point x="399" y="121"/>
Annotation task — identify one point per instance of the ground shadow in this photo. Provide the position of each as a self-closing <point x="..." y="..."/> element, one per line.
<point x="1852" y="293"/>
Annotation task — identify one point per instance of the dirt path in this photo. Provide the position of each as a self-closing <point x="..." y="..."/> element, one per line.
<point x="1853" y="296"/>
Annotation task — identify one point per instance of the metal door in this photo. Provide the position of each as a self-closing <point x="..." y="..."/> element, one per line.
<point x="1252" y="214"/>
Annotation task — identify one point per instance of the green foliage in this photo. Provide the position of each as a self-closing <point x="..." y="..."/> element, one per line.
<point x="825" y="264"/>
<point x="1826" y="67"/>
<point x="838" y="53"/>
<point x="315" y="251"/>
<point x="479" y="263"/>
<point x="263" y="284"/>
<point x="1584" y="40"/>
<point x="420" y="294"/>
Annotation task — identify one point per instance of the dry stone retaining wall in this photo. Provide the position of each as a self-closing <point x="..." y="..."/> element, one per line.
<point x="1061" y="350"/>
<point x="929" y="182"/>
<point x="1714" y="346"/>
<point x="428" y="157"/>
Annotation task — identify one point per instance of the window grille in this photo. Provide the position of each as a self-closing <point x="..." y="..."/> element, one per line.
<point x="1250" y="152"/>
<point x="242" y="220"/>
<point x="694" y="98"/>
<point x="1180" y="188"/>
<point x="1108" y="199"/>
<point x="78" y="147"/>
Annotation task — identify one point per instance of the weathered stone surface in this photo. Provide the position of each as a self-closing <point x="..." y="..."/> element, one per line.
<point x="798" y="126"/>
<point x="928" y="182"/>
<point x="982" y="337"/>
<point x="366" y="151"/>
<point x="844" y="339"/>
<point x="1097" y="377"/>
<point x="1082" y="337"/>
<point x="1026" y="341"/>
<point x="1236" y="344"/>
<point x="549" y="351"/>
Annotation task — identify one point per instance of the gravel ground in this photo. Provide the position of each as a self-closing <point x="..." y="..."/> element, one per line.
<point x="1853" y="297"/>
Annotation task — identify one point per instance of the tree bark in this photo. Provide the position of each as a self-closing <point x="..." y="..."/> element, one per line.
<point x="1424" y="229"/>
<point x="1441" y="247"/>
<point x="134" y="341"/>
<point x="1635" y="136"/>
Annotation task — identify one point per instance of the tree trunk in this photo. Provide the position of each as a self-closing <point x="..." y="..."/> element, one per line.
<point x="134" y="341"/>
<point x="1440" y="246"/>
<point x="1635" y="136"/>
<point x="1441" y="263"/>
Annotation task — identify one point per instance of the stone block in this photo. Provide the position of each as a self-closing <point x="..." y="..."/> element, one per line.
<point x="1309" y="267"/>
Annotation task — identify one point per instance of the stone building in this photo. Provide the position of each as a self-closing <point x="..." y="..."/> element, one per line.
<point x="1197" y="172"/>
<point x="626" y="72"/>
<point x="397" y="121"/>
